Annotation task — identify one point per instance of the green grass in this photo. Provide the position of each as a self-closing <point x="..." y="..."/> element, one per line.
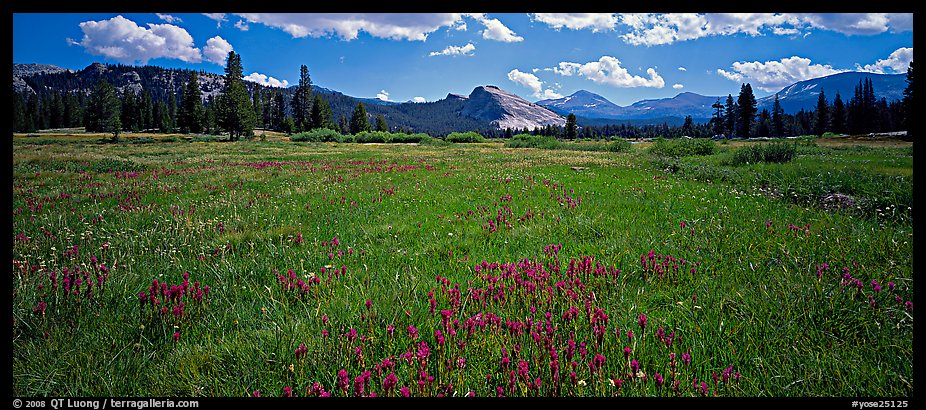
<point x="232" y="215"/>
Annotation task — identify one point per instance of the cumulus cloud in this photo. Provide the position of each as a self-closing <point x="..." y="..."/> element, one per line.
<point x="678" y="86"/>
<point x="654" y="29"/>
<point x="218" y="17"/>
<point x="497" y="31"/>
<point x="217" y="49"/>
<point x="533" y="83"/>
<point x="382" y="95"/>
<point x="241" y="25"/>
<point x="466" y="50"/>
<point x="347" y="26"/>
<point x="168" y="18"/>
<point x="897" y="62"/>
<point x="419" y="100"/>
<point x="266" y="80"/>
<point x="578" y="21"/>
<point x="775" y="75"/>
<point x="608" y="70"/>
<point x="122" y="40"/>
<point x="682" y="69"/>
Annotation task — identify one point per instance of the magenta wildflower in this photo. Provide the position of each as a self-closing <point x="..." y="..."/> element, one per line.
<point x="404" y="391"/>
<point x="287" y="391"/>
<point x="390" y="329"/>
<point x="627" y="351"/>
<point x="389" y="382"/>
<point x="343" y="380"/>
<point x="177" y="336"/>
<point x="686" y="358"/>
<point x="890" y="286"/>
<point x="909" y="306"/>
<point x="642" y="321"/>
<point x="704" y="389"/>
<point x="412" y="332"/>
<point x="682" y="224"/>
<point x="634" y="366"/>
<point x="369" y="304"/>
<point x="256" y="393"/>
<point x="658" y="379"/>
<point x="629" y="335"/>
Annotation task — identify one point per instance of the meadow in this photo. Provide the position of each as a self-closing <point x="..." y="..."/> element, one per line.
<point x="191" y="267"/>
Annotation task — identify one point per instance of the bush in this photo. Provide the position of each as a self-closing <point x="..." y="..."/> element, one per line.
<point x="683" y="147"/>
<point x="402" y="138"/>
<point x="366" y="137"/>
<point x="464" y="137"/>
<point x="318" y="135"/>
<point x="620" y="145"/>
<point x="532" y="141"/>
<point x="778" y="152"/>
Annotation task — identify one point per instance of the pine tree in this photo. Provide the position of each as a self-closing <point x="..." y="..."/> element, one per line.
<point x="103" y="110"/>
<point x="302" y="101"/>
<point x="321" y="113"/>
<point x="56" y="111"/>
<point x="191" y="115"/>
<point x="778" y="128"/>
<point x="359" y="121"/>
<point x="32" y="113"/>
<point x="822" y="120"/>
<point x="688" y="126"/>
<point x="172" y="111"/>
<point x="278" y="115"/>
<point x="730" y="116"/>
<point x="838" y="120"/>
<point x="717" y="117"/>
<point x="908" y="110"/>
<point x="381" y="123"/>
<point x="147" y="110"/>
<point x="572" y="129"/>
<point x="236" y="115"/>
<point x="19" y="113"/>
<point x="764" y="124"/>
<point x="746" y="104"/>
<point x="343" y="124"/>
<point x="257" y="102"/>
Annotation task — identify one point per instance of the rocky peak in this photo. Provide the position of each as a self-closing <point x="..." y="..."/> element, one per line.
<point x="506" y="110"/>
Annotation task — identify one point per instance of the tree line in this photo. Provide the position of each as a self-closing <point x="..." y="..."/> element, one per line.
<point x="237" y="113"/>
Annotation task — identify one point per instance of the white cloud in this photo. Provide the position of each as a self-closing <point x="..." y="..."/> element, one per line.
<point x="466" y="50"/>
<point x="859" y="23"/>
<point x="347" y="26"/>
<point x="897" y="62"/>
<point x="241" y="25"/>
<point x="383" y="95"/>
<point x="608" y="70"/>
<point x="217" y="49"/>
<point x="419" y="100"/>
<point x="533" y="83"/>
<point x="218" y="17"/>
<point x="682" y="69"/>
<point x="578" y="21"/>
<point x="497" y="31"/>
<point x="266" y="80"/>
<point x="775" y="75"/>
<point x="655" y="29"/>
<point x="678" y="86"/>
<point x="168" y="18"/>
<point x="121" y="39"/>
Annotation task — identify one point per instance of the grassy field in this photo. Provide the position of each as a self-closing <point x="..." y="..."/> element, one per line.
<point x="189" y="267"/>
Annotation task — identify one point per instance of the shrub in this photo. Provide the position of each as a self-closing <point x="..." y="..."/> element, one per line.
<point x="683" y="147"/>
<point x="620" y="145"/>
<point x="366" y="137"/>
<point x="318" y="135"/>
<point x="778" y="152"/>
<point x="464" y="137"/>
<point x="402" y="138"/>
<point x="532" y="141"/>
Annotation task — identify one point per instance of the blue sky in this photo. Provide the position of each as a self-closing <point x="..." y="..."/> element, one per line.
<point x="402" y="57"/>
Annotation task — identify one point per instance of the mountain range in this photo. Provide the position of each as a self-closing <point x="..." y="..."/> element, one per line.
<point x="793" y="98"/>
<point x="487" y="109"/>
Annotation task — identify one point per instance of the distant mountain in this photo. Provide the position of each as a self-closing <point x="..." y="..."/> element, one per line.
<point x="506" y="110"/>
<point x="804" y="94"/>
<point x="584" y="104"/>
<point x="595" y="109"/>
<point x="28" y="70"/>
<point x="591" y="106"/>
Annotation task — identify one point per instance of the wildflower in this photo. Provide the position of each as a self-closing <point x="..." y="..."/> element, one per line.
<point x="627" y="351"/>
<point x="369" y="304"/>
<point x="405" y="392"/>
<point x="177" y="336"/>
<point x="256" y="393"/>
<point x="629" y="335"/>
<point x="634" y="366"/>
<point x="343" y="380"/>
<point x="390" y="329"/>
<point x="909" y="306"/>
<point x="686" y="358"/>
<point x="704" y="389"/>
<point x="658" y="379"/>
<point x="890" y="286"/>
<point x="412" y="332"/>
<point x="875" y="286"/>
<point x="682" y="224"/>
